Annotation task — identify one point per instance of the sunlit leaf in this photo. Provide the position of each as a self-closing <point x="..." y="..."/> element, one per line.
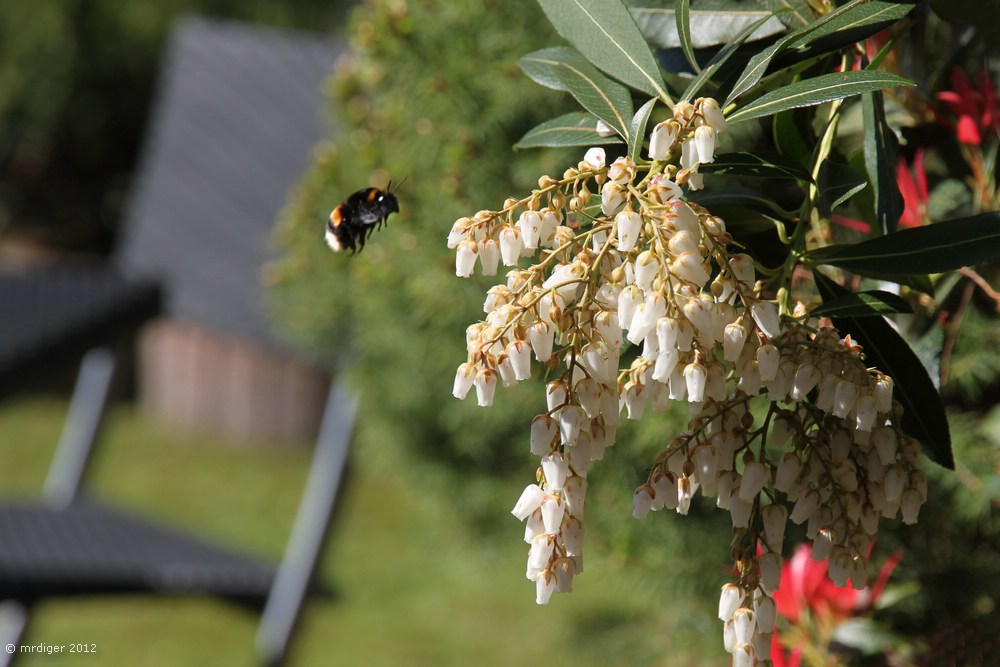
<point x="573" y="129"/>
<point x="683" y="21"/>
<point x="540" y="66"/>
<point x="712" y="22"/>
<point x="720" y="58"/>
<point x="797" y="14"/>
<point x="817" y="90"/>
<point x="863" y="304"/>
<point x="605" y="32"/>
<point x="936" y="248"/>
<point x="637" y="128"/>
<point x="606" y="99"/>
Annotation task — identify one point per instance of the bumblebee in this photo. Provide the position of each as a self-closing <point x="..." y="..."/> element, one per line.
<point x="354" y="220"/>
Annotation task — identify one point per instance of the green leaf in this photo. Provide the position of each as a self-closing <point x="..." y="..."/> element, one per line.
<point x="924" y="417"/>
<point x="755" y="165"/>
<point x="683" y="21"/>
<point x="792" y="138"/>
<point x="880" y="163"/>
<point x="637" y="129"/>
<point x="739" y="197"/>
<point x="799" y="38"/>
<point x="609" y="101"/>
<point x="837" y="183"/>
<point x="714" y="22"/>
<point x="573" y="129"/>
<point x="540" y="66"/>
<point x="817" y="90"/>
<point x="797" y="12"/>
<point x="863" y="304"/>
<point x="720" y="58"/>
<point x="605" y="32"/>
<point x="851" y="17"/>
<point x="943" y="246"/>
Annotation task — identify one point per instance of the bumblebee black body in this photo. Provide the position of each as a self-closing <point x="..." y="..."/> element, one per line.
<point x="354" y="220"/>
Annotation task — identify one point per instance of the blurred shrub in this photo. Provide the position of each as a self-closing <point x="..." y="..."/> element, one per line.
<point x="76" y="82"/>
<point x="432" y="94"/>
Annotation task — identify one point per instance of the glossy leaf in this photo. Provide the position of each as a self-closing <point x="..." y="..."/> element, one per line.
<point x="739" y="197"/>
<point x="880" y="163"/>
<point x="924" y="417"/>
<point x="799" y="38"/>
<point x="852" y="17"/>
<point x="637" y="129"/>
<point x="540" y="66"/>
<point x="755" y="165"/>
<point x="797" y="13"/>
<point x="863" y="304"/>
<point x="573" y="129"/>
<point x="817" y="90"/>
<point x="720" y="58"/>
<point x="682" y="19"/>
<point x="712" y="22"/>
<point x="608" y="100"/>
<point x="943" y="246"/>
<point x="606" y="34"/>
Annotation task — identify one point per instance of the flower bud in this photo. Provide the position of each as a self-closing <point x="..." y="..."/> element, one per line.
<point x="595" y="157"/>
<point x="662" y="139"/>
<point x="629" y="225"/>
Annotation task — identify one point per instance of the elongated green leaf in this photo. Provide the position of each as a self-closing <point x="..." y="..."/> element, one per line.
<point x="817" y="90"/>
<point x="540" y="66"/>
<point x="637" y="129"/>
<point x="605" y="32"/>
<point x="943" y="246"/>
<point x="758" y="65"/>
<point x="797" y="12"/>
<point x="755" y="165"/>
<point x="837" y="183"/>
<point x="924" y="417"/>
<point x="573" y="129"/>
<point x="714" y="22"/>
<point x="683" y="21"/>
<point x="793" y="137"/>
<point x="880" y="163"/>
<point x="851" y="17"/>
<point x="606" y="99"/>
<point x="740" y="197"/>
<point x="863" y="304"/>
<point x="720" y="58"/>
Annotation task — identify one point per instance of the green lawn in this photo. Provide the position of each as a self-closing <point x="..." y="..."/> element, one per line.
<point x="414" y="584"/>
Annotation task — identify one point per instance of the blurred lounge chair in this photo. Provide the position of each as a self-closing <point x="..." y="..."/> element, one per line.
<point x="68" y="545"/>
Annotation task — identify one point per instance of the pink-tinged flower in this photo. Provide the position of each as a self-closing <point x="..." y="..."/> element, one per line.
<point x="977" y="111"/>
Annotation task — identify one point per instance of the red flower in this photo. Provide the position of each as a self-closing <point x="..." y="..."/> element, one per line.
<point x="912" y="182"/>
<point x="976" y="110"/>
<point x="805" y="587"/>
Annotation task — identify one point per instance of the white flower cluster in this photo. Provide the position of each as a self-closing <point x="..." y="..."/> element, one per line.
<point x="645" y="267"/>
<point x="833" y="458"/>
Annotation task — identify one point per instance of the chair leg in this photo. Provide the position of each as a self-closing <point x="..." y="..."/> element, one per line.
<point x="83" y="423"/>
<point x="13" y="621"/>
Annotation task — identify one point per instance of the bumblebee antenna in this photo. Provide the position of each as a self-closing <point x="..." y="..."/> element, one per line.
<point x="393" y="189"/>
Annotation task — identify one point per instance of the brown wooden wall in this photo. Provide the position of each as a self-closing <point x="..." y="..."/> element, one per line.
<point x="196" y="378"/>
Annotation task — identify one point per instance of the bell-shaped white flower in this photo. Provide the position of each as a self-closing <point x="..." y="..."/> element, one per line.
<point x="628" y="226"/>
<point x="543" y="432"/>
<point x="604" y="129"/>
<point x="642" y="501"/>
<point x="689" y="154"/>
<point x="662" y="139"/>
<point x="765" y="314"/>
<point x="690" y="266"/>
<point x="683" y="218"/>
<point x="704" y="141"/>
<point x="695" y="376"/>
<point x="595" y="157"/>
<point x="774" y="517"/>
<point x="510" y="245"/>
<point x="465" y="376"/>
<point x="571" y="419"/>
<point x="807" y="376"/>
<point x="647" y="267"/>
<point x="465" y="258"/>
<point x="730" y="600"/>
<point x="486" y="384"/>
<point x="712" y="114"/>
<point x="530" y="500"/>
<point x="612" y="198"/>
<point x="530" y="223"/>
<point x="489" y="256"/>
<point x="755" y="476"/>
<point x="622" y="170"/>
<point x="768" y="358"/>
<point x="541" y="336"/>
